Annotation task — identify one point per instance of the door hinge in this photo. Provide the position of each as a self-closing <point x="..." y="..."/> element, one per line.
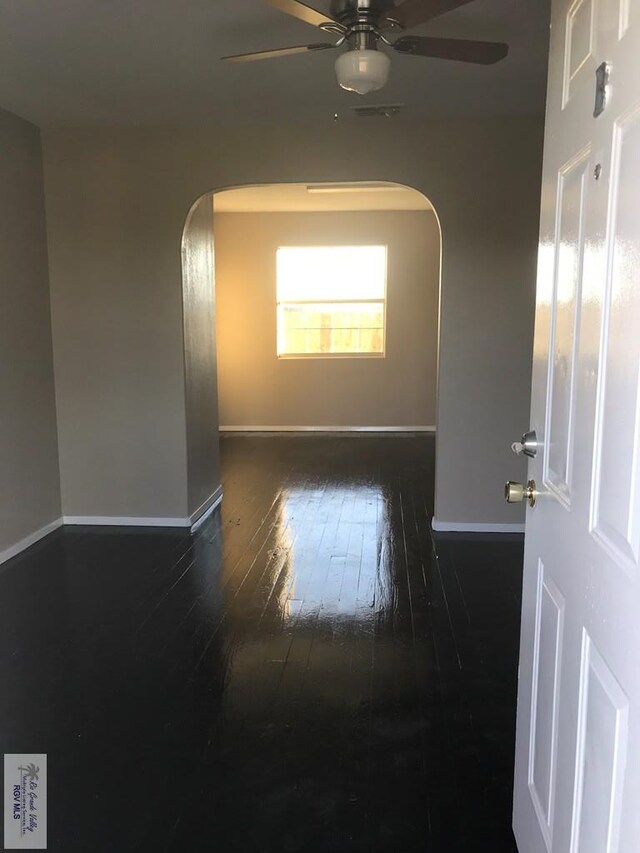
<point x="602" y="88"/>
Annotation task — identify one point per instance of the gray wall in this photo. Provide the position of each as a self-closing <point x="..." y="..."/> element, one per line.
<point x="201" y="391"/>
<point x="259" y="389"/>
<point x="30" y="493"/>
<point x="117" y="200"/>
<point x="116" y="301"/>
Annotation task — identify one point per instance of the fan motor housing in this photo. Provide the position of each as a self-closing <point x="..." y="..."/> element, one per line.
<point x="350" y="13"/>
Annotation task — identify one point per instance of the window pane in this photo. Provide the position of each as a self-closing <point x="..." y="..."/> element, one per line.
<point x="331" y="328"/>
<point x="312" y="273"/>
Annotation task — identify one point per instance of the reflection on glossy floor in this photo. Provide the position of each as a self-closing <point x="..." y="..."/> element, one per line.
<point x="301" y="675"/>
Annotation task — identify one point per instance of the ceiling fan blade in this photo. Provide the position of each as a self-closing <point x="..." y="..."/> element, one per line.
<point x="413" y="12"/>
<point x="303" y="12"/>
<point x="460" y="50"/>
<point x="274" y="54"/>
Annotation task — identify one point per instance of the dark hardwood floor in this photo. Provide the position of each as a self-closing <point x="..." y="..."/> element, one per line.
<point x="302" y="674"/>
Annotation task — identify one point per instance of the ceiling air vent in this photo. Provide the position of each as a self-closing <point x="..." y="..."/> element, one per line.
<point x="378" y="110"/>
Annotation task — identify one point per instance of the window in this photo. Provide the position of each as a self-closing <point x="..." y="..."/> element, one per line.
<point x="331" y="300"/>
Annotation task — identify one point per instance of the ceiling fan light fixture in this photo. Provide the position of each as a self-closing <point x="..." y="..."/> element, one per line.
<point x="362" y="70"/>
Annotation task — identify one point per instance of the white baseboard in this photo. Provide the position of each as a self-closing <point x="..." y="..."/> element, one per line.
<point x="193" y="522"/>
<point x="473" y="527"/>
<point x="28" y="541"/>
<point x="206" y="508"/>
<point x="125" y="521"/>
<point x="270" y="428"/>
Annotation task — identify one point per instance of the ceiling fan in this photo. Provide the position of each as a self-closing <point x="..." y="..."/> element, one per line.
<point x="363" y="24"/>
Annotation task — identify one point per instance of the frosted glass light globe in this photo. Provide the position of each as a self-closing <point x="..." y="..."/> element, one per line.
<point x="363" y="70"/>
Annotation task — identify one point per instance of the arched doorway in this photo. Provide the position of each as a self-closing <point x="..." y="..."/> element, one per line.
<point x="259" y="388"/>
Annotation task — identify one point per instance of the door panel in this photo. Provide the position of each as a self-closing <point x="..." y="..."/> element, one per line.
<point x="547" y="657"/>
<point x="577" y="775"/>
<point x="565" y="324"/>
<point x="600" y="756"/>
<point x="615" y="520"/>
<point x="579" y="27"/>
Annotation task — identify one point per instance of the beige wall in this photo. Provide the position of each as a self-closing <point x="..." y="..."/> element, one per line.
<point x="30" y="491"/>
<point x="117" y="200"/>
<point x="259" y="389"/>
<point x="200" y="369"/>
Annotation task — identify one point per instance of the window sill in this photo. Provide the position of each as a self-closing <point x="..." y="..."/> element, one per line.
<point x="329" y="355"/>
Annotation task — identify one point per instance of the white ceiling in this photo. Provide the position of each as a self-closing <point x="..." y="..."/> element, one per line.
<point x="287" y="198"/>
<point x="143" y="62"/>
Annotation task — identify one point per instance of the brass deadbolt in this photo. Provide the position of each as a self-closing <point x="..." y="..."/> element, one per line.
<point x="516" y="492"/>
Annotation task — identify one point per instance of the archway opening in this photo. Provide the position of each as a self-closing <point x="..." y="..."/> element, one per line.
<point x="326" y="314"/>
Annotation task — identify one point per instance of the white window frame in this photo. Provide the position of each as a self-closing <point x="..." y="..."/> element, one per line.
<point x="383" y="300"/>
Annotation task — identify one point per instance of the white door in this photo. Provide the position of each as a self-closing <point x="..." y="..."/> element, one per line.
<point x="577" y="778"/>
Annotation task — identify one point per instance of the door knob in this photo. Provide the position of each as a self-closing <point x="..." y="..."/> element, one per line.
<point x="516" y="492"/>
<point x="528" y="444"/>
